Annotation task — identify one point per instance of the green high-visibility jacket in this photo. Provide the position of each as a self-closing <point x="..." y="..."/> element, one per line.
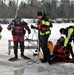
<point x="47" y="24"/>
<point x="70" y="31"/>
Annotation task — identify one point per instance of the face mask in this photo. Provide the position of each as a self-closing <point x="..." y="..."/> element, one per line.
<point x="17" y="21"/>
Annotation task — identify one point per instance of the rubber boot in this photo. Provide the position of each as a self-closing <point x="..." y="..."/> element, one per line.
<point x="15" y="53"/>
<point x="24" y="57"/>
<point x="14" y="58"/>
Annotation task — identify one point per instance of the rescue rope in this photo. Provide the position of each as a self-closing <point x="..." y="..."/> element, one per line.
<point x="31" y="42"/>
<point x="30" y="62"/>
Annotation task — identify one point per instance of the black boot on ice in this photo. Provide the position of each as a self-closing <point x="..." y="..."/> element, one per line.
<point x="24" y="57"/>
<point x="13" y="59"/>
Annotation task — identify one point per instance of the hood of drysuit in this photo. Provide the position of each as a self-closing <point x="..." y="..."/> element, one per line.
<point x="17" y="20"/>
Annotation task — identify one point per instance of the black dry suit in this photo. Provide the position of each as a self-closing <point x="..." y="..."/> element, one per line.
<point x="18" y="33"/>
<point x="19" y="29"/>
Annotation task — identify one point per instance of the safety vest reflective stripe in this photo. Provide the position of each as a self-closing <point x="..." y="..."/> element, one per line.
<point x="68" y="37"/>
<point x="47" y="32"/>
<point x="47" y="23"/>
<point x="69" y="32"/>
<point x="66" y="42"/>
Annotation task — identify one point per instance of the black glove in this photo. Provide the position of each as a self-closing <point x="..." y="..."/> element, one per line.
<point x="33" y="27"/>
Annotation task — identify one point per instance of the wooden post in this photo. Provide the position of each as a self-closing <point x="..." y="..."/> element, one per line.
<point x="9" y="45"/>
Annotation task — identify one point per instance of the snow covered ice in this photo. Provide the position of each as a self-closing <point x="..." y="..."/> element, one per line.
<point x="20" y="67"/>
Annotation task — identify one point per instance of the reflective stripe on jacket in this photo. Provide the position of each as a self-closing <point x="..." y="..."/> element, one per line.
<point x="70" y="31"/>
<point x="47" y="24"/>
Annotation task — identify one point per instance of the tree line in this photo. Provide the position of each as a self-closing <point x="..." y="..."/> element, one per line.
<point x="52" y="8"/>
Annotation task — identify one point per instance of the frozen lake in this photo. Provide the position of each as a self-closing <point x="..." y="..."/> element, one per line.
<point x="21" y="68"/>
<point x="6" y="35"/>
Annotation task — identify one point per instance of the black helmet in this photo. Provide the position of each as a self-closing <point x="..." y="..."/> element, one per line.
<point x="17" y="20"/>
<point x="60" y="41"/>
<point x="61" y="30"/>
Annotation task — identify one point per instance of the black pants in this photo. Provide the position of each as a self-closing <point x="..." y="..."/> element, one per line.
<point x="39" y="41"/>
<point x="69" y="47"/>
<point x="45" y="49"/>
<point x="16" y="48"/>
